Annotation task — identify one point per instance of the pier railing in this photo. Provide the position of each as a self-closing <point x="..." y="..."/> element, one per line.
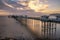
<point x="46" y="28"/>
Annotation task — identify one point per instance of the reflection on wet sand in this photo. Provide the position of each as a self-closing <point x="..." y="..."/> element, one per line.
<point x="43" y="30"/>
<point x="10" y="27"/>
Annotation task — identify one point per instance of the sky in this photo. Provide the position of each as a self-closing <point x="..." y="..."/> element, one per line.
<point x="54" y="6"/>
<point x="30" y="6"/>
<point x="46" y="6"/>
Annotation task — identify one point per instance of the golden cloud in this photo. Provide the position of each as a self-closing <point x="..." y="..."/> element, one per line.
<point x="37" y="6"/>
<point x="51" y="11"/>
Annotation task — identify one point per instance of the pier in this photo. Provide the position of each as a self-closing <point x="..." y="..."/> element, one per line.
<point x="27" y="28"/>
<point x="19" y="21"/>
<point x="47" y="27"/>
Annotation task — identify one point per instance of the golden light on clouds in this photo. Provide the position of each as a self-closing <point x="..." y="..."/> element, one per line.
<point x="51" y="11"/>
<point x="37" y="6"/>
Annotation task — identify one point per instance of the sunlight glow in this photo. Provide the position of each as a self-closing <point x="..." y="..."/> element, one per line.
<point x="37" y="6"/>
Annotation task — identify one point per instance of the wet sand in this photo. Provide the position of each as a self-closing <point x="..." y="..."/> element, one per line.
<point x="11" y="28"/>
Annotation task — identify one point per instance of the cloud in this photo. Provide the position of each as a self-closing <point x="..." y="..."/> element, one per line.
<point x="51" y="11"/>
<point x="46" y="0"/>
<point x="37" y="6"/>
<point x="1" y="4"/>
<point x="7" y="4"/>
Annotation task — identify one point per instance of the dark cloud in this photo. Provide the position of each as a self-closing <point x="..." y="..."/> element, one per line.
<point x="1" y="4"/>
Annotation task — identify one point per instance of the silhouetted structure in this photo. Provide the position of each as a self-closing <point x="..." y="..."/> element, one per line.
<point x="48" y="26"/>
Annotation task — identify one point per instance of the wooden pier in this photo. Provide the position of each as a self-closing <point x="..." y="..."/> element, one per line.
<point x="48" y="26"/>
